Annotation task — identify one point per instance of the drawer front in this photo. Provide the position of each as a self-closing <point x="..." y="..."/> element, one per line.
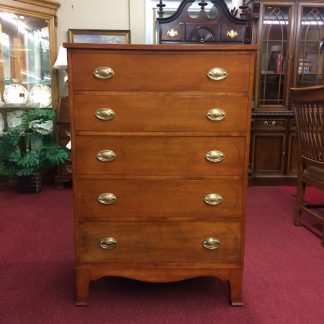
<point x="157" y="242"/>
<point x="160" y="155"/>
<point x="161" y="72"/>
<point x="160" y="112"/>
<point x="157" y="199"/>
<point x="270" y="124"/>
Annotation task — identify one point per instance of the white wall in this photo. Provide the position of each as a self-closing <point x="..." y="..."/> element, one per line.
<point x="137" y="21"/>
<point x="102" y="14"/>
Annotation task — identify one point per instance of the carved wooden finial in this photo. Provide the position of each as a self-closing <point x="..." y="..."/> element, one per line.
<point x="202" y="4"/>
<point x="160" y="5"/>
<point x="245" y="10"/>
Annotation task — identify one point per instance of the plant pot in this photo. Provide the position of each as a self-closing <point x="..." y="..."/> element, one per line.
<point x="29" y="184"/>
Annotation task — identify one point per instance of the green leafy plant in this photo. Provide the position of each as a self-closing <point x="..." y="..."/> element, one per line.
<point x="30" y="147"/>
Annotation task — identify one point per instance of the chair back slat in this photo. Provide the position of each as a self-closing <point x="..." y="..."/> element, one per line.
<point x="308" y="106"/>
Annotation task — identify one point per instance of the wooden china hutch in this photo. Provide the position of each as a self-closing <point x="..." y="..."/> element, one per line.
<point x="290" y="35"/>
<point x="27" y="54"/>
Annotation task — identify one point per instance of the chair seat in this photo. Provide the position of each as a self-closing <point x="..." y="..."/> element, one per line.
<point x="314" y="172"/>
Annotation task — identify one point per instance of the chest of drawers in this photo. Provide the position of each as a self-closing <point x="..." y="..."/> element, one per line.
<point x="160" y="138"/>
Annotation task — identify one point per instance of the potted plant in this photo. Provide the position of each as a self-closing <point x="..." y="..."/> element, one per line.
<point x="29" y="148"/>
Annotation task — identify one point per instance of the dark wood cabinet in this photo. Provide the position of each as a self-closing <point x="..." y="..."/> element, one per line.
<point x="290" y="36"/>
<point x="274" y="146"/>
<point x="63" y="136"/>
<point x="292" y="161"/>
<point x="274" y="149"/>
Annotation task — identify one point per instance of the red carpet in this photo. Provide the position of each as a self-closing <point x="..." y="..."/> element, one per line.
<point x="283" y="279"/>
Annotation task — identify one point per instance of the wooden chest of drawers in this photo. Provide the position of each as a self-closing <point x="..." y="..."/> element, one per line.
<point x="160" y="138"/>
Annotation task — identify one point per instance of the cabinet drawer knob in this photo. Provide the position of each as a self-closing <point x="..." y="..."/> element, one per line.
<point x="103" y="72"/>
<point x="232" y="33"/>
<point x="107" y="198"/>
<point x="215" y="156"/>
<point x="217" y="74"/>
<point x="213" y="199"/>
<point x="106" y="155"/>
<point x="211" y="243"/>
<point x="216" y="114"/>
<point x="105" y="114"/>
<point x="108" y="243"/>
<point x="270" y="124"/>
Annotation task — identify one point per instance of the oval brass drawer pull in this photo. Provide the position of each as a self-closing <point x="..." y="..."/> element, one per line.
<point x="105" y="114"/>
<point x="107" y="198"/>
<point x="103" y="72"/>
<point x="108" y="243"/>
<point x="215" y="156"/>
<point x="211" y="243"/>
<point x="216" y="114"/>
<point x="213" y="199"/>
<point x="106" y="155"/>
<point x="217" y="74"/>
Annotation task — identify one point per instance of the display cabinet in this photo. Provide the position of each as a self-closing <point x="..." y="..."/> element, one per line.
<point x="63" y="137"/>
<point x="27" y="54"/>
<point x="290" y="36"/>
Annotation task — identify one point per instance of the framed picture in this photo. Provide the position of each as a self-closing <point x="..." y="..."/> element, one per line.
<point x="99" y="36"/>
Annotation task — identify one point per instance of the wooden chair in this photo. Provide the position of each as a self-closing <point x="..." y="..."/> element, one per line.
<point x="308" y="105"/>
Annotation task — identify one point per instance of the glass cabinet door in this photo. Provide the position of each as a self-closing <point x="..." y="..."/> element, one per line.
<point x="275" y="32"/>
<point x="310" y="47"/>
<point x="26" y="74"/>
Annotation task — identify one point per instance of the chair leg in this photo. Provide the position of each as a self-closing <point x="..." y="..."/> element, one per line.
<point x="299" y="201"/>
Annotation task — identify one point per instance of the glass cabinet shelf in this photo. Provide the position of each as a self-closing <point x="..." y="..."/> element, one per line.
<point x="310" y="42"/>
<point x="274" y="41"/>
<point x="27" y="53"/>
<point x="4" y="106"/>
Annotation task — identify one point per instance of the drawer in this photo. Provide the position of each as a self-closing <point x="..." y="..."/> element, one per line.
<point x="157" y="242"/>
<point x="160" y="112"/>
<point x="170" y="71"/>
<point x="160" y="155"/>
<point x="149" y="199"/>
<point x="270" y="124"/>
